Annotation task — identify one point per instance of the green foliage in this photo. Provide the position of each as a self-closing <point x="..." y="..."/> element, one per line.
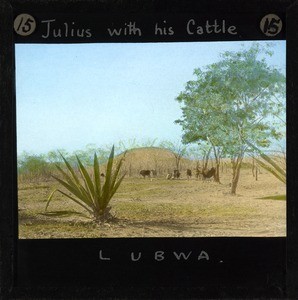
<point x="238" y="93"/>
<point x="42" y="166"/>
<point x="237" y="98"/>
<point x="33" y="166"/>
<point x="88" y="192"/>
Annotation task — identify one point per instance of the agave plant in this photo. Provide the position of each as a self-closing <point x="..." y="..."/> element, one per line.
<point x="88" y="191"/>
<point x="269" y="164"/>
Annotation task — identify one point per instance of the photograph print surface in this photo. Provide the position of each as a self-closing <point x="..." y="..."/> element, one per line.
<point x="151" y="139"/>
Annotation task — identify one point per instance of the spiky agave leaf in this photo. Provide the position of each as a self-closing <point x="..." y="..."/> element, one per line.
<point x="116" y="172"/>
<point x="93" y="197"/>
<point x="70" y="169"/>
<point x="74" y="184"/>
<point x="107" y="185"/>
<point x="87" y="179"/>
<point x="97" y="183"/>
<point x="77" y="189"/>
<point x="271" y="165"/>
<point x="280" y="176"/>
<point x="63" y="213"/>
<point x="68" y="196"/>
<point x="115" y="184"/>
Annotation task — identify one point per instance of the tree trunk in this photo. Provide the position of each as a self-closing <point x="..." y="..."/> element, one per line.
<point x="217" y="163"/>
<point x="206" y="159"/>
<point x="177" y="158"/>
<point x="236" y="175"/>
<point x="197" y="169"/>
<point x="216" y="175"/>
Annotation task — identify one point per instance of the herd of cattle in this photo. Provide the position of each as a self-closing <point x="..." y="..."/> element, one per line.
<point x="176" y="174"/>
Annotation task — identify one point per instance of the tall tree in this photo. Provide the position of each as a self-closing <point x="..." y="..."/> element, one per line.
<point x="236" y="99"/>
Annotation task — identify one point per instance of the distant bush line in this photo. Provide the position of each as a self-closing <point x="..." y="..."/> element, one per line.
<point x="41" y="167"/>
<point x="33" y="167"/>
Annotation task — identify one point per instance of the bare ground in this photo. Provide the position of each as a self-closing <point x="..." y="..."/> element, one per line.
<point x="163" y="208"/>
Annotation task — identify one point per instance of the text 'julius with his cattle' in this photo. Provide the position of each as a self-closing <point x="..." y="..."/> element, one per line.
<point x="57" y="29"/>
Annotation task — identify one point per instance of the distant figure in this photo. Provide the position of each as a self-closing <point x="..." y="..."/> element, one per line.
<point x="198" y="173"/>
<point x="153" y="173"/>
<point x="102" y="175"/>
<point x="207" y="174"/>
<point x="145" y="173"/>
<point x="169" y="176"/>
<point x="188" y="174"/>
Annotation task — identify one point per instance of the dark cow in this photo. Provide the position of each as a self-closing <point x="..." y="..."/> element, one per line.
<point x="145" y="173"/>
<point x="188" y="174"/>
<point x="176" y="174"/>
<point x="207" y="174"/>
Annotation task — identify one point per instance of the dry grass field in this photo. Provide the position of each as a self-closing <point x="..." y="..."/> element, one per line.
<point x="162" y="208"/>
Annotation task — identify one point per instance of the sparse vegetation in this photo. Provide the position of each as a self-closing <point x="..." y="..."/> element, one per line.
<point x="160" y="207"/>
<point x="92" y="195"/>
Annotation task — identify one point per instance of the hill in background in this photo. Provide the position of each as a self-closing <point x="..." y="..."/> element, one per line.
<point x="153" y="158"/>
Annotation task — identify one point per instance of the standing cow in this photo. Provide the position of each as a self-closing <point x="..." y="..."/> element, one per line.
<point x="207" y="174"/>
<point x="145" y="173"/>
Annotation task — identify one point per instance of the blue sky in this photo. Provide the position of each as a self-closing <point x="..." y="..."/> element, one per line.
<point x="69" y="96"/>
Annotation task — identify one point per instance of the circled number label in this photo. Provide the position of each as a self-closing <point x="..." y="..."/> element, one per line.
<point x="271" y="25"/>
<point x="24" y="24"/>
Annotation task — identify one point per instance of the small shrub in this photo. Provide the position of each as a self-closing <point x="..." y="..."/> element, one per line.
<point x="88" y="191"/>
